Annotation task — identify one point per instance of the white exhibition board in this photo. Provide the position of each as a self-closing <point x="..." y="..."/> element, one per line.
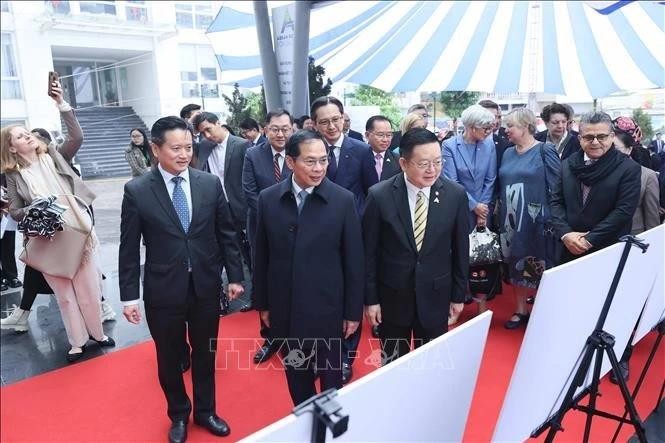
<point x="654" y="310"/>
<point x="423" y="396"/>
<point x="569" y="301"/>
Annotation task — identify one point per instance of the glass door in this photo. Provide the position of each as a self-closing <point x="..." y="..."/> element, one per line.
<point x="108" y="86"/>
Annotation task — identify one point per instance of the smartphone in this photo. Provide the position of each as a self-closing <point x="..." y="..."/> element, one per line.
<point x="52" y="77"/>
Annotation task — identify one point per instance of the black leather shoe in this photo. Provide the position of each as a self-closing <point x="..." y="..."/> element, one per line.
<point x="214" y="425"/>
<point x="4" y="286"/>
<point x="246" y="308"/>
<point x="71" y="358"/>
<point x="624" y="371"/>
<point x="264" y="353"/>
<point x="347" y="373"/>
<point x="185" y="365"/>
<point x="108" y="343"/>
<point x="514" y="324"/>
<point x="15" y="283"/>
<point x="178" y="432"/>
<point x="375" y="331"/>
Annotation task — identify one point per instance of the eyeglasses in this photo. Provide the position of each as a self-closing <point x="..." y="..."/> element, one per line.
<point x="311" y="162"/>
<point x="589" y="138"/>
<point x="382" y="134"/>
<point x="426" y="164"/>
<point x="335" y="121"/>
<point x="284" y="130"/>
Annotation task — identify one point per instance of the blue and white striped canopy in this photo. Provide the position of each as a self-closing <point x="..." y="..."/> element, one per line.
<point x="560" y="47"/>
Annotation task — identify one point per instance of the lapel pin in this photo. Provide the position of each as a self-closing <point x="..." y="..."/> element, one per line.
<point x="436" y="199"/>
<point x="436" y="193"/>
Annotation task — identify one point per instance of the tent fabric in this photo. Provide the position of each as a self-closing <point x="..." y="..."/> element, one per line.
<point x="560" y="47"/>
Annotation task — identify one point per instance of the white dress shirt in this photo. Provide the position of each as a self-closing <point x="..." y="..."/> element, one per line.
<point x="412" y="192"/>
<point x="296" y="189"/>
<point x="338" y="148"/>
<point x="217" y="159"/>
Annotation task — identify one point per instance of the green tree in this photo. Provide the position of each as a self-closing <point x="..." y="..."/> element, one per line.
<point x="237" y="105"/>
<point x="317" y="87"/>
<point x="256" y="105"/>
<point x="454" y="102"/>
<point x="644" y="121"/>
<point x="371" y="96"/>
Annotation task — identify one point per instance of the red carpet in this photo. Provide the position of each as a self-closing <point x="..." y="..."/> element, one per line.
<point x="117" y="397"/>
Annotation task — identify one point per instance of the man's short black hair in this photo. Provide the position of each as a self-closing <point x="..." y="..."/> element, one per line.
<point x="293" y="144"/>
<point x="187" y="110"/>
<point x="376" y="118"/>
<point x="415" y="137"/>
<point x="249" y="123"/>
<point x="165" y="124"/>
<point x="277" y="113"/>
<point x="323" y="101"/>
<point x="554" y="108"/>
<point x="489" y="104"/>
<point x="204" y="117"/>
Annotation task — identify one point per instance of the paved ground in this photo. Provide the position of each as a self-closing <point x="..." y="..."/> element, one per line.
<point x="44" y="346"/>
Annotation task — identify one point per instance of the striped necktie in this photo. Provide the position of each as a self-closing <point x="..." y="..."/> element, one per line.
<point x="276" y="168"/>
<point x="420" y="220"/>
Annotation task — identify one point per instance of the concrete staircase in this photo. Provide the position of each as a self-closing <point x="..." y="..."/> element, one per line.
<point x="105" y="137"/>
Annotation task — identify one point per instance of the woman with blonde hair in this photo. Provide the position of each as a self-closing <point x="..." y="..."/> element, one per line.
<point x="37" y="172"/>
<point x="410" y="121"/>
<point x="528" y="173"/>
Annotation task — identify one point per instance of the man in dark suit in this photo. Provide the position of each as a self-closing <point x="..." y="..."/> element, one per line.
<point x="250" y="130"/>
<point x="380" y="162"/>
<point x="501" y="142"/>
<point x="265" y="165"/>
<point x="556" y="116"/>
<point x="189" y="237"/>
<point x="416" y="236"/>
<point x="345" y="168"/>
<point x="350" y="132"/>
<point x="225" y="157"/>
<point x="594" y="204"/>
<point x="657" y="146"/>
<point x="308" y="280"/>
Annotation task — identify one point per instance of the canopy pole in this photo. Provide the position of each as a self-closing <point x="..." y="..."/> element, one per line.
<point x="268" y="59"/>
<point x="300" y="80"/>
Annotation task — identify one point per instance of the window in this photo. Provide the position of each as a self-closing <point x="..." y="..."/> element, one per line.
<point x="198" y="15"/>
<point x="57" y="7"/>
<point x="198" y="71"/>
<point x="4" y="6"/>
<point x="11" y="121"/>
<point x="11" y="85"/>
<point x="136" y="11"/>
<point x="107" y="7"/>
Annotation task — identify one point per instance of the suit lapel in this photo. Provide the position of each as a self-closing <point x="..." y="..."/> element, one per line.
<point x="464" y="153"/>
<point x="390" y="163"/>
<point x="230" y="146"/>
<point x="162" y="195"/>
<point x="435" y="213"/>
<point x="195" y="190"/>
<point x="402" y="203"/>
<point x="343" y="155"/>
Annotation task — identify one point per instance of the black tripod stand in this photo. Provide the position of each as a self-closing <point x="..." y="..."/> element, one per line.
<point x="661" y="331"/>
<point x="598" y="343"/>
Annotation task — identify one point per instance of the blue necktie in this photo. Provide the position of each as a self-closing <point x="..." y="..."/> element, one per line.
<point x="303" y="196"/>
<point x="180" y="203"/>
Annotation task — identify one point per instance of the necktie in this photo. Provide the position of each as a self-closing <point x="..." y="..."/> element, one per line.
<point x="303" y="196"/>
<point x="420" y="220"/>
<point x="586" y="189"/>
<point x="276" y="169"/>
<point x="180" y="203"/>
<point x="379" y="165"/>
<point x="332" y="163"/>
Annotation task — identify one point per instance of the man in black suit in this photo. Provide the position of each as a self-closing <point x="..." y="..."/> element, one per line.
<point x="594" y="204"/>
<point x="250" y="130"/>
<point x="265" y="165"/>
<point x="350" y="132"/>
<point x="657" y="146"/>
<point x="225" y="157"/>
<point x="501" y="142"/>
<point x="308" y="280"/>
<point x="345" y="168"/>
<point x="557" y="116"/>
<point x="416" y="236"/>
<point x="189" y="113"/>
<point x="189" y="237"/>
<point x="380" y="163"/>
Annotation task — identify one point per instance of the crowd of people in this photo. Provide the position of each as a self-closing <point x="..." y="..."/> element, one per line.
<point x="330" y="223"/>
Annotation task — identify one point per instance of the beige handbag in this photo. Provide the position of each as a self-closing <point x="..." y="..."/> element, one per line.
<point x="61" y="255"/>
